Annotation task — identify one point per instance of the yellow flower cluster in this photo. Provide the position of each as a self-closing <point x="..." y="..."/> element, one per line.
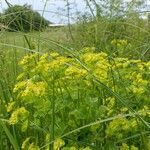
<point x="86" y="148"/>
<point x="55" y="63"/>
<point x="76" y="72"/>
<point x="31" y="88"/>
<point x="124" y="109"/>
<point x="42" y="64"/>
<point x="138" y="83"/>
<point x="121" y="63"/>
<point x="72" y="81"/>
<point x="21" y="76"/>
<point x="110" y="103"/>
<point x="26" y="145"/>
<point x="59" y="61"/>
<point x="101" y="70"/>
<point x="29" y="61"/>
<point x="54" y="54"/>
<point x="19" y="86"/>
<point x="98" y="63"/>
<point x="36" y="89"/>
<point x="124" y="146"/>
<point x="93" y="57"/>
<point x="32" y="146"/>
<point x="145" y="111"/>
<point x="118" y="126"/>
<point x="72" y="148"/>
<point x="119" y="42"/>
<point x="20" y="114"/>
<point x="120" y="46"/>
<point x="11" y="106"/>
<point x="147" y="65"/>
<point x="88" y="49"/>
<point x="58" y="144"/>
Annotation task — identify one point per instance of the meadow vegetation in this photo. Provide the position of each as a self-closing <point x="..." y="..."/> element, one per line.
<point x="84" y="86"/>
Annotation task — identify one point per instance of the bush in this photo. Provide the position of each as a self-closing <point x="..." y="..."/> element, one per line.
<point x="24" y="19"/>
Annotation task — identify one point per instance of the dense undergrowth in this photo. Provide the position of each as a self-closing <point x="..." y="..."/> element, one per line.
<point x="78" y="100"/>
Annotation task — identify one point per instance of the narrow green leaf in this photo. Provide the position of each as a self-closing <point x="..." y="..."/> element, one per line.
<point x="10" y="136"/>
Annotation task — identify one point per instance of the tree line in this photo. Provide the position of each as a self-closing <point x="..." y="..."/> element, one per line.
<point x="22" y="18"/>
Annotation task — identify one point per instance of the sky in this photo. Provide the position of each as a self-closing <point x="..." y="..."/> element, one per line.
<point x="55" y="11"/>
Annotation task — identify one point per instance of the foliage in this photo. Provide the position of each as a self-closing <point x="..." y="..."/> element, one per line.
<point x="24" y="19"/>
<point x="114" y="19"/>
<point x="85" y="101"/>
<point x="96" y="97"/>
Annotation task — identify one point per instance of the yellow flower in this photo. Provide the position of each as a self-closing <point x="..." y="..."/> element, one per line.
<point x="73" y="71"/>
<point x="86" y="148"/>
<point x="21" y="114"/>
<point x="58" y="144"/>
<point x="20" y="76"/>
<point x="37" y="88"/>
<point x="44" y="57"/>
<point x="124" y="147"/>
<point x="110" y="102"/>
<point x="138" y="84"/>
<point x="134" y="148"/>
<point x="119" y="42"/>
<point x="145" y="111"/>
<point x="29" y="61"/>
<point x="19" y="85"/>
<point x="58" y="62"/>
<point x="33" y="147"/>
<point x="101" y="74"/>
<point x="117" y="126"/>
<point x="10" y="106"/>
<point x="73" y="148"/>
<point x="135" y="61"/>
<point x="54" y="54"/>
<point x="113" y="42"/>
<point x="25" y="144"/>
<point x="124" y="109"/>
<point x="133" y="123"/>
<point x="93" y="57"/>
<point x="147" y="65"/>
<point x="88" y="49"/>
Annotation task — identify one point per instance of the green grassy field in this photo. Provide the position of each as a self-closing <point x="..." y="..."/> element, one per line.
<point x="18" y="39"/>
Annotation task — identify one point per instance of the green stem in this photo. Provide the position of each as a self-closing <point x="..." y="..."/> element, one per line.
<point x="53" y="115"/>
